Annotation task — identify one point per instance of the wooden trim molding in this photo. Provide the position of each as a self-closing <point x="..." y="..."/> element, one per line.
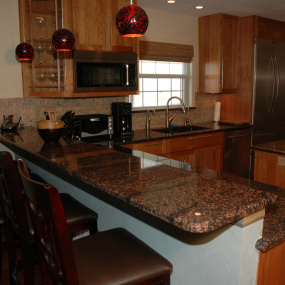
<point x="165" y="51"/>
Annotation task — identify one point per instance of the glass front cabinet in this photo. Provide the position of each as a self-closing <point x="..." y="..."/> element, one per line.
<point x="50" y="73"/>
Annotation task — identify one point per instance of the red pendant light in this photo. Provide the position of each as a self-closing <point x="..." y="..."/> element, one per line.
<point x="63" y="39"/>
<point x="132" y="21"/>
<point x="24" y="51"/>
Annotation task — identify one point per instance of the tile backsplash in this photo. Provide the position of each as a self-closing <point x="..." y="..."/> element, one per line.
<point x="31" y="109"/>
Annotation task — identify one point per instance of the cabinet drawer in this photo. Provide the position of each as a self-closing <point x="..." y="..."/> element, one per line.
<point x="153" y="147"/>
<point x="192" y="142"/>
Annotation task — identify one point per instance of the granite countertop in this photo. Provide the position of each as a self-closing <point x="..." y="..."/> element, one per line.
<point x="196" y="201"/>
<point x="210" y="127"/>
<point x="277" y="147"/>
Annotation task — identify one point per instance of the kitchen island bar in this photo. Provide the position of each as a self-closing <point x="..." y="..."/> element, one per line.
<point x="206" y="224"/>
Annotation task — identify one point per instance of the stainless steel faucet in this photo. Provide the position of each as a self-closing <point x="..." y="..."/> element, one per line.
<point x="168" y="120"/>
<point x="148" y="119"/>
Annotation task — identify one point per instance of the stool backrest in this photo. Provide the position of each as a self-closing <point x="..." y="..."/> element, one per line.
<point x="51" y="230"/>
<point x="11" y="197"/>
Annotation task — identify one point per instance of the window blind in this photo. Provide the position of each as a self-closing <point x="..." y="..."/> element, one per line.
<point x="149" y="50"/>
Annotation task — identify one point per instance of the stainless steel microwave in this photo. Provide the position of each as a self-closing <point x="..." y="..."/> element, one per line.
<point x="96" y="71"/>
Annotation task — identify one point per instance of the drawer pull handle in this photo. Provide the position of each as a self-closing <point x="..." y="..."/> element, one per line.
<point x="199" y="137"/>
<point x="150" y="144"/>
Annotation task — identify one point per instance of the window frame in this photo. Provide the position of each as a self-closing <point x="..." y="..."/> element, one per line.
<point x="187" y="77"/>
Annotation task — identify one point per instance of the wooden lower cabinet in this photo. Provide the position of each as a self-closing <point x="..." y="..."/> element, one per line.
<point x="269" y="168"/>
<point x="207" y="157"/>
<point x="271" y="266"/>
<point x="210" y="157"/>
<point x="205" y="150"/>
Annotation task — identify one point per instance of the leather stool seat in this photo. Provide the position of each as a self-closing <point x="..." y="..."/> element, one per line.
<point x="117" y="257"/>
<point x="78" y="216"/>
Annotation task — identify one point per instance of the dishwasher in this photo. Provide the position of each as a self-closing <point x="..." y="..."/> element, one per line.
<point x="237" y="145"/>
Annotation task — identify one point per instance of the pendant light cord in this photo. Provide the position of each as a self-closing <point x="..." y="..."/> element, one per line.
<point x="62" y="25"/>
<point x="23" y="14"/>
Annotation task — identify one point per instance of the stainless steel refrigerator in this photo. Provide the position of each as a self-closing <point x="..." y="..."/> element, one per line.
<point x="269" y="91"/>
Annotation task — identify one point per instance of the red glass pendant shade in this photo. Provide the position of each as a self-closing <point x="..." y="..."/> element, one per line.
<point x="132" y="21"/>
<point x="24" y="51"/>
<point x="63" y="40"/>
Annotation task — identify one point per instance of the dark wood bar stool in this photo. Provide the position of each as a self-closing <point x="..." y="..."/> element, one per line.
<point x="18" y="228"/>
<point x="1" y="240"/>
<point x="110" y="257"/>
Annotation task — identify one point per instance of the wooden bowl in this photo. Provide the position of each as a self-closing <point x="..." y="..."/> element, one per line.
<point x="50" y="130"/>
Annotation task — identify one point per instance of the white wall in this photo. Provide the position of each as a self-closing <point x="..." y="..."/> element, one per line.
<point x="10" y="69"/>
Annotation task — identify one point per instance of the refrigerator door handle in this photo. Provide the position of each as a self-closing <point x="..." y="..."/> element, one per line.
<point x="273" y="87"/>
<point x="277" y="82"/>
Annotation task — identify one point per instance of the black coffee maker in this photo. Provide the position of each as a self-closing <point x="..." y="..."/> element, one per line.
<point x="122" y="119"/>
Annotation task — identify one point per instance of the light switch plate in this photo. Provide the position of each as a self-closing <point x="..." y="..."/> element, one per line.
<point x="281" y="160"/>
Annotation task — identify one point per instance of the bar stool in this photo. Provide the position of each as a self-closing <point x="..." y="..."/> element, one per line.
<point x="17" y="223"/>
<point x="110" y="257"/>
<point x="1" y="246"/>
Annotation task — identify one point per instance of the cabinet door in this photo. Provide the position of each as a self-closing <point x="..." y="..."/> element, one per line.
<point x="45" y="74"/>
<point x="269" y="168"/>
<point x="229" y="54"/>
<point x="90" y="24"/>
<point x="94" y="26"/>
<point x="187" y="155"/>
<point x="207" y="157"/>
<point x="271" y="266"/>
<point x="210" y="157"/>
<point x="218" y="54"/>
<point x="209" y="54"/>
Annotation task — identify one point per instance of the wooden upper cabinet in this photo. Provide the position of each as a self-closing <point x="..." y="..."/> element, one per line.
<point x="239" y="108"/>
<point x="269" y="29"/>
<point x="89" y="20"/>
<point x="94" y="26"/>
<point x="218" y="53"/>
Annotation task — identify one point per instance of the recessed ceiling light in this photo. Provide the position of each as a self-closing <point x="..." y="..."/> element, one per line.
<point x="199" y="7"/>
<point x="170" y="1"/>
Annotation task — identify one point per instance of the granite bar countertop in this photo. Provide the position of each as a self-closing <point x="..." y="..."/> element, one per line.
<point x="195" y="201"/>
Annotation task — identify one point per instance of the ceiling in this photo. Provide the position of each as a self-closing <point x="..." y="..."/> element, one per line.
<point x="273" y="9"/>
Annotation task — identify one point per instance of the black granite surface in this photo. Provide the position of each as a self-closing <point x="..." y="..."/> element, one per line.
<point x="194" y="200"/>
<point x="210" y="127"/>
<point x="277" y="147"/>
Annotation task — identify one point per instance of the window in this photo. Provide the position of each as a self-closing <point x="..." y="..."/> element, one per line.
<point x="165" y="70"/>
<point x="160" y="80"/>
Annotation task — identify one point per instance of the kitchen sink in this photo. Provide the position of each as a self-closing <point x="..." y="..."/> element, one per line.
<point x="182" y="129"/>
